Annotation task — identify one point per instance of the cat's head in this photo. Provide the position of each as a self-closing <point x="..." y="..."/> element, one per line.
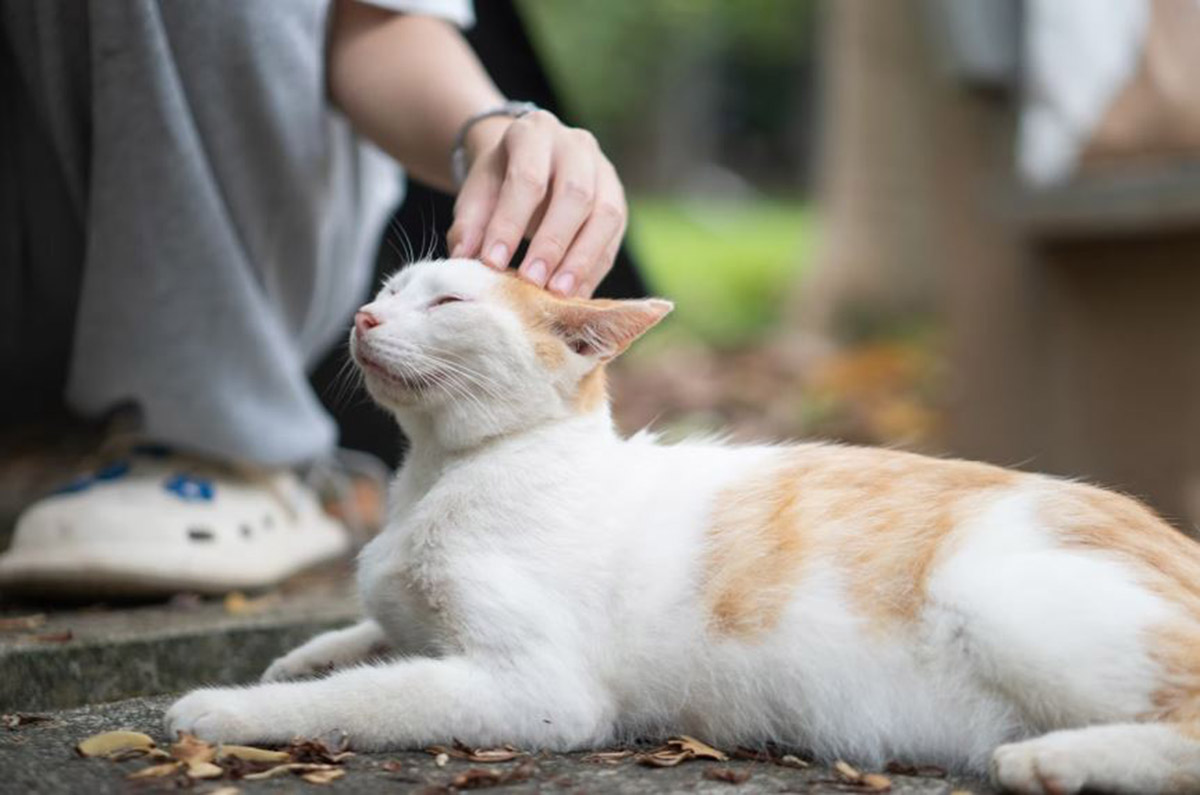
<point x="481" y="352"/>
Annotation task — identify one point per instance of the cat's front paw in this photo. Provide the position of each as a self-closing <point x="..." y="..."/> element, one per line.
<point x="296" y="665"/>
<point x="1038" y="767"/>
<point x="222" y="715"/>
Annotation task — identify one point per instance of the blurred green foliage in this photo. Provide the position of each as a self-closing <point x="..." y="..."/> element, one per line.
<point x="610" y="58"/>
<point x="727" y="264"/>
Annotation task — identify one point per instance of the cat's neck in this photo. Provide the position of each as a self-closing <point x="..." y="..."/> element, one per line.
<point x="431" y="451"/>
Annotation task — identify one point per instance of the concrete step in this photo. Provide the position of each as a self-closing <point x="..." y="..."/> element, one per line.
<point x="39" y="758"/>
<point x="74" y="656"/>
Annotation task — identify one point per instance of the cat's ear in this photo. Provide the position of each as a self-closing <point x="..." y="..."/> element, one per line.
<point x="604" y="328"/>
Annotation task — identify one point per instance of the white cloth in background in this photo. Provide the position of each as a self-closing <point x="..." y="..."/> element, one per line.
<point x="1079" y="54"/>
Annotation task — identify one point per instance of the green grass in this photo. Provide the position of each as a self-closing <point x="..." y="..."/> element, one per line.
<point x="728" y="265"/>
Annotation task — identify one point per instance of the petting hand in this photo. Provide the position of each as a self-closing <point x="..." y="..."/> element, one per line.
<point x="535" y="177"/>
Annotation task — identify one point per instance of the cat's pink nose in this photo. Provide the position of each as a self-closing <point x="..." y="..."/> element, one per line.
<point x="364" y="321"/>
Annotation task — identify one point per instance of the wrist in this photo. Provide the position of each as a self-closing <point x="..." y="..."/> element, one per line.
<point x="460" y="158"/>
<point x="484" y="135"/>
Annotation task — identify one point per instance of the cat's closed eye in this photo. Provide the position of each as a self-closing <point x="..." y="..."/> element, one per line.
<point x="445" y="299"/>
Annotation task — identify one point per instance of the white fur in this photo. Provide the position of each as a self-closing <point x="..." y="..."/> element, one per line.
<point x="540" y="581"/>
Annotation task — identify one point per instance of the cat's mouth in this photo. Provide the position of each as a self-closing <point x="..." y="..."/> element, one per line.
<point x="409" y="382"/>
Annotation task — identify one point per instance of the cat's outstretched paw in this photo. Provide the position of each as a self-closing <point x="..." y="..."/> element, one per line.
<point x="297" y="665"/>
<point x="1038" y="767"/>
<point x="221" y="715"/>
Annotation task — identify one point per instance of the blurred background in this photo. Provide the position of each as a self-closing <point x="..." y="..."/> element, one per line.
<point x="966" y="227"/>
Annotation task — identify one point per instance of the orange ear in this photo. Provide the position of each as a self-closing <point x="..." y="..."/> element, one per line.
<point x="605" y="328"/>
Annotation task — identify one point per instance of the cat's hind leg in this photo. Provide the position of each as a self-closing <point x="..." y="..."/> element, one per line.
<point x="329" y="651"/>
<point x="1129" y="758"/>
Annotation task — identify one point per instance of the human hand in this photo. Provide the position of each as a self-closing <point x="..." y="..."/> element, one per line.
<point x="536" y="177"/>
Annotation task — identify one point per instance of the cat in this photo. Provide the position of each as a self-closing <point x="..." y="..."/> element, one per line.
<point x="542" y="581"/>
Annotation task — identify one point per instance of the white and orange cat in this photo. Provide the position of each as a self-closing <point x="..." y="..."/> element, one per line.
<point x="544" y="582"/>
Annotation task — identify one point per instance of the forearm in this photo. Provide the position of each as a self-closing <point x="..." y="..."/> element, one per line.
<point x="408" y="82"/>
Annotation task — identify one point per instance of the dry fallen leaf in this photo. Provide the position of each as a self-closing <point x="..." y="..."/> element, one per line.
<point x="442" y="759"/>
<point x="204" y="770"/>
<point x="109" y="743"/>
<point x="787" y="760"/>
<point x="318" y="751"/>
<point x="680" y="749"/>
<point x="608" y="757"/>
<point x="190" y="749"/>
<point x="460" y="750"/>
<point x="727" y="774"/>
<point x="251" y="754"/>
<point x="323" y="776"/>
<point x="51" y="637"/>
<point x="847" y="772"/>
<point x="290" y="767"/>
<point x="876" y="782"/>
<point x="905" y="769"/>
<point x="157" y="771"/>
<point x="697" y="748"/>
<point x="225" y="791"/>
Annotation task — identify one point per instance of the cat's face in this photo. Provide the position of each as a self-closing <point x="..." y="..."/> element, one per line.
<point x="480" y="348"/>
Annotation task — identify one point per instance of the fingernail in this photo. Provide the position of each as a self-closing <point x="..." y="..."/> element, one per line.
<point x="536" y="272"/>
<point x="563" y="283"/>
<point x="498" y="256"/>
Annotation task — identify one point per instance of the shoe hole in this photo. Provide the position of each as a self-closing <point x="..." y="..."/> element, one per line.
<point x="246" y="530"/>
<point x="201" y="534"/>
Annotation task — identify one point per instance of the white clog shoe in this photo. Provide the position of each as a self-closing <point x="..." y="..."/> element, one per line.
<point x="153" y="524"/>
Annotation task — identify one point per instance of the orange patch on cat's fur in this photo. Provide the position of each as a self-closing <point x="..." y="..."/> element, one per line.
<point x="880" y="517"/>
<point x="536" y="309"/>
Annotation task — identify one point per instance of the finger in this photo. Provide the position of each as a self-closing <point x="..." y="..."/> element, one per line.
<point x="474" y="206"/>
<point x="570" y="203"/>
<point x="587" y="259"/>
<point x="528" y="146"/>
<point x="602" y="270"/>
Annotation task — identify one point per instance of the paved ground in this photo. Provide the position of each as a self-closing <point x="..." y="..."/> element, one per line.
<point x="39" y="758"/>
<point x="69" y="656"/>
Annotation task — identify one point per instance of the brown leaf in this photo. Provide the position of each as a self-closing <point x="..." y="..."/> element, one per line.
<point x="249" y="753"/>
<point x="460" y="750"/>
<point x="698" y="749"/>
<point x="225" y="791"/>
<point x="788" y="760"/>
<point x="109" y="743"/>
<point x="192" y="750"/>
<point x="52" y="637"/>
<point x="728" y="774"/>
<point x="905" y="769"/>
<point x="392" y="766"/>
<point x="204" y="770"/>
<point x="876" y="782"/>
<point x="323" y="776"/>
<point x="847" y="772"/>
<point x="318" y="751"/>
<point x="290" y="767"/>
<point x="16" y="720"/>
<point x="608" y="757"/>
<point x="22" y="623"/>
<point x="157" y="771"/>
